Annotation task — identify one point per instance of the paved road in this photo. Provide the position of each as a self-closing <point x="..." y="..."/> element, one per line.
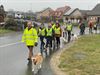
<point x="13" y="57"/>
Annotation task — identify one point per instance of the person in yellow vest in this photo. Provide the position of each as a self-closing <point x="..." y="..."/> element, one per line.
<point x="42" y="34"/>
<point x="58" y="34"/>
<point x="30" y="38"/>
<point x="53" y="24"/>
<point x="53" y="38"/>
<point x="69" y="29"/>
<point x="49" y="37"/>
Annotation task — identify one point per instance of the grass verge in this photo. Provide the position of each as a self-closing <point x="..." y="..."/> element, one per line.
<point x="83" y="58"/>
<point x="3" y="31"/>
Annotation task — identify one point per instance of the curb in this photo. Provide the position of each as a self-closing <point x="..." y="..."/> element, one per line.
<point x="54" y="62"/>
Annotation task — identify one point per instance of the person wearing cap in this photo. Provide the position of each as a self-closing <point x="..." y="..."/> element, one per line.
<point x="30" y="38"/>
<point x="49" y="36"/>
<point x="69" y="29"/>
<point x="42" y="34"/>
<point x="58" y="34"/>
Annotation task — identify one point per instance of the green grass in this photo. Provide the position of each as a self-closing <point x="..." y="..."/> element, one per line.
<point x="2" y="31"/>
<point x="83" y="58"/>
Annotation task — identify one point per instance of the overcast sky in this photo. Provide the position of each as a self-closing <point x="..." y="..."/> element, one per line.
<point x="37" y="5"/>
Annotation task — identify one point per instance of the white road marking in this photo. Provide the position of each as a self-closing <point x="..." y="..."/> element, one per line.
<point x="9" y="44"/>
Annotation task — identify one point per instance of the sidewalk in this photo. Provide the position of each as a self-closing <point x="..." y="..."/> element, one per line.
<point x="54" y="62"/>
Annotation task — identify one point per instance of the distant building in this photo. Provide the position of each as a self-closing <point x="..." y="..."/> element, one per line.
<point x="44" y="13"/>
<point x="59" y="12"/>
<point x="75" y="15"/>
<point x="94" y="14"/>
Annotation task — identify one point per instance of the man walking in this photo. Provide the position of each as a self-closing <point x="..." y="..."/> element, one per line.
<point x="42" y="34"/>
<point x="49" y="37"/>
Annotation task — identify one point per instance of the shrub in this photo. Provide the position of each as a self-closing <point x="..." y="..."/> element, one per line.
<point x="11" y="24"/>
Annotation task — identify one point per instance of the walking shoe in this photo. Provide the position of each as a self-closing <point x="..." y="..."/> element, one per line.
<point x="29" y="59"/>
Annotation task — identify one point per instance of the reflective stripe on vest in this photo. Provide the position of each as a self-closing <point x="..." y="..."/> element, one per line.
<point x="53" y="26"/>
<point x="30" y="36"/>
<point x="69" y="27"/>
<point x="42" y="32"/>
<point x="57" y="30"/>
<point x="49" y="32"/>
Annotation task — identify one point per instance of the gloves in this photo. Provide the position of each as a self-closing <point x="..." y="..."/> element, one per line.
<point x="36" y="43"/>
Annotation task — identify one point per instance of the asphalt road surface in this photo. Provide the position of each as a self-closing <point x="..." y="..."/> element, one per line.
<point x="13" y="57"/>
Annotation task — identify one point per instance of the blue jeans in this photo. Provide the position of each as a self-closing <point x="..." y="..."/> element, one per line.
<point x="42" y="44"/>
<point x="48" y="41"/>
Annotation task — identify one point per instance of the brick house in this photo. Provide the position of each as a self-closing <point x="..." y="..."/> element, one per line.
<point x="44" y="13"/>
<point x="59" y="12"/>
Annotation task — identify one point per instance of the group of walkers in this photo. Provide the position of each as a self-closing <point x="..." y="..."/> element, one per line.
<point x="93" y="27"/>
<point x="49" y="36"/>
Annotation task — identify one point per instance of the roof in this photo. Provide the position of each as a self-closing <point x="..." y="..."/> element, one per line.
<point x="70" y="11"/>
<point x="60" y="11"/>
<point x="63" y="8"/>
<point x="95" y="11"/>
<point x="45" y="10"/>
<point x="84" y="12"/>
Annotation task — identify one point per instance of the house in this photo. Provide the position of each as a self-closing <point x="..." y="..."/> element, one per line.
<point x="59" y="12"/>
<point x="75" y="15"/>
<point x="94" y="14"/>
<point x="44" y="13"/>
<point x="85" y="13"/>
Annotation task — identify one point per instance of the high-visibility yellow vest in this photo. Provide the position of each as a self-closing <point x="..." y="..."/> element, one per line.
<point x="69" y="27"/>
<point x="57" y="30"/>
<point x="30" y="36"/>
<point x="53" y="26"/>
<point x="42" y="32"/>
<point x="49" y="32"/>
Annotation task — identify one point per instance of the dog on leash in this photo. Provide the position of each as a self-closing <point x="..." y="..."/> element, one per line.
<point x="74" y="37"/>
<point x="37" y="62"/>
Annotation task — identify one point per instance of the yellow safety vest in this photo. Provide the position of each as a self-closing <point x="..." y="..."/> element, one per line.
<point x="42" y="32"/>
<point x="53" y="26"/>
<point x="30" y="36"/>
<point x="49" y="32"/>
<point x="57" y="30"/>
<point x="69" y="27"/>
